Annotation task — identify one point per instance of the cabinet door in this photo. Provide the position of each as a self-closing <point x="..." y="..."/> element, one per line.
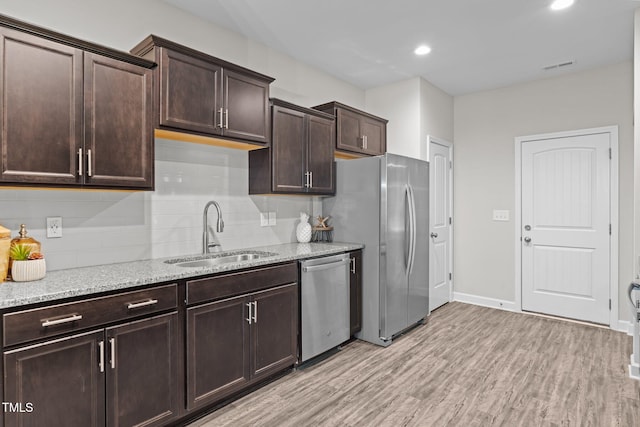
<point x="61" y="379"/>
<point x="142" y="375"/>
<point x="349" y="133"/>
<point x="41" y="110"/>
<point x="274" y="332"/>
<point x="355" y="292"/>
<point x="376" y="136"/>
<point x="288" y="150"/>
<point x="217" y="350"/>
<point x="118" y="131"/>
<point x="246" y="102"/>
<point x="320" y="155"/>
<point x="189" y="97"/>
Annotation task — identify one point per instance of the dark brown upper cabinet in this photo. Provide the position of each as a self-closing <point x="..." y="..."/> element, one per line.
<point x="204" y="95"/>
<point x="74" y="113"/>
<point x="300" y="159"/>
<point x="357" y="132"/>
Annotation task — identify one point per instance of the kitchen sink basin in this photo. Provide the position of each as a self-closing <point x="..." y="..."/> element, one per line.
<point x="220" y="258"/>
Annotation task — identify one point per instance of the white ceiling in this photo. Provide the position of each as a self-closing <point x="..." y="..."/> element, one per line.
<point x="476" y="44"/>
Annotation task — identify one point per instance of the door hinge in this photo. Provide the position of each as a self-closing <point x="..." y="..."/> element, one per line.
<point x="609" y="229"/>
<point x="450" y="276"/>
<point x="450" y="164"/>
<point x="609" y="303"/>
<point x="610" y="154"/>
<point x="449" y="220"/>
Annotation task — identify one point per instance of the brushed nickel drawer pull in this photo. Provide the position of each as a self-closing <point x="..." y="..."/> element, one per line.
<point x="89" y="163"/>
<point x="146" y="303"/>
<point x="221" y="125"/>
<point x="226" y="118"/>
<point x="54" y="322"/>
<point x="79" y="161"/>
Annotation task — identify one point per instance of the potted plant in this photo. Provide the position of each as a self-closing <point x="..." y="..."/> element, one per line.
<point x="26" y="265"/>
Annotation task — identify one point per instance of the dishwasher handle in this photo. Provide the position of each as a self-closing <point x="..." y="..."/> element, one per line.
<point x="311" y="268"/>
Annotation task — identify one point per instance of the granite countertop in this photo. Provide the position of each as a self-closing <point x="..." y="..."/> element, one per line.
<point x="86" y="281"/>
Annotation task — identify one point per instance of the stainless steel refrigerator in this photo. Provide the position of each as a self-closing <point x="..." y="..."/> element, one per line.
<point x="383" y="202"/>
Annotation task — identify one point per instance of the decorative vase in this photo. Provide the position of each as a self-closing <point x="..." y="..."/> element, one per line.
<point x="303" y="230"/>
<point x="26" y="271"/>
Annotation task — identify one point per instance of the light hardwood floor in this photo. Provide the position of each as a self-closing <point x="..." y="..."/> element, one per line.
<point x="467" y="366"/>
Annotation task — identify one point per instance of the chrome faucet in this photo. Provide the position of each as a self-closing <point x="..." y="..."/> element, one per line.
<point x="206" y="246"/>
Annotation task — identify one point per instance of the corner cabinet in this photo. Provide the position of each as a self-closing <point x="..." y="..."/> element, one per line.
<point x="74" y="114"/>
<point x="300" y="159"/>
<point x="204" y="95"/>
<point x="357" y="132"/>
<point x="241" y="328"/>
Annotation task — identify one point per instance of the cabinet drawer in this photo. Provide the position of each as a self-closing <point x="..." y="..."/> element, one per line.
<point x="28" y="325"/>
<point x="217" y="287"/>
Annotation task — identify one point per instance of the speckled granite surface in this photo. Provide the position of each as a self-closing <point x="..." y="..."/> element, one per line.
<point x="102" y="278"/>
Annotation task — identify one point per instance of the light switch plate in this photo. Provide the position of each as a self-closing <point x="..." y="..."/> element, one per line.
<point x="54" y="226"/>
<point x="272" y="218"/>
<point x="264" y="219"/>
<point x="500" y="215"/>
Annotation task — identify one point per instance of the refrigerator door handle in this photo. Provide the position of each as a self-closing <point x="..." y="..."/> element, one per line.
<point x="407" y="228"/>
<point x="413" y="235"/>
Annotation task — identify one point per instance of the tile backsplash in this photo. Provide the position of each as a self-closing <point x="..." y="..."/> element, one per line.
<point x="103" y="227"/>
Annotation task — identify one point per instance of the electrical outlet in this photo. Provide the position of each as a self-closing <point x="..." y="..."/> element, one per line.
<point x="500" y="215"/>
<point x="272" y="218"/>
<point x="264" y="219"/>
<point x="54" y="226"/>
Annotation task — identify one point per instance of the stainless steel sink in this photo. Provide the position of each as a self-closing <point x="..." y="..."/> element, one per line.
<point x="212" y="260"/>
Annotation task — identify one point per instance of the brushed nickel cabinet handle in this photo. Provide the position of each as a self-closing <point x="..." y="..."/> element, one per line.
<point x="226" y="118"/>
<point x="248" y="319"/>
<point x="366" y="142"/>
<point x="221" y="125"/>
<point x="145" y="303"/>
<point x="69" y="319"/>
<point x="112" y="342"/>
<point x="353" y="265"/>
<point x="255" y="312"/>
<point x="311" y="179"/>
<point x="79" y="161"/>
<point x="89" y="171"/>
<point x="101" y="350"/>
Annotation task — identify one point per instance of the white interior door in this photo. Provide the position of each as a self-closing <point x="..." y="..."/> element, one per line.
<point x="440" y="224"/>
<point x="566" y="226"/>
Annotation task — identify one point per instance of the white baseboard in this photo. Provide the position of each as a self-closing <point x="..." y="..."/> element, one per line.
<point x="623" y="326"/>
<point x="485" y="302"/>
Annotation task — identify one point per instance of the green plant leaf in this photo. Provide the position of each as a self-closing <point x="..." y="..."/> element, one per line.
<point x="20" y="252"/>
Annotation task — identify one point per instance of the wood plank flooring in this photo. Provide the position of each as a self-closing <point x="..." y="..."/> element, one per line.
<point x="467" y="366"/>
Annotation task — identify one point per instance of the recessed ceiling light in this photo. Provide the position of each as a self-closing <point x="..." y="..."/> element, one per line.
<point x="561" y="4"/>
<point x="422" y="50"/>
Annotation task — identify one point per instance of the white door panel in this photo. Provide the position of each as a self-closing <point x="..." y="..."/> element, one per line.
<point x="565" y="227"/>
<point x="440" y="228"/>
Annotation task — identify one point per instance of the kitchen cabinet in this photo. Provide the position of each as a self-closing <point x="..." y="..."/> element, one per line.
<point x="237" y="341"/>
<point x="300" y="159"/>
<point x="355" y="291"/>
<point x="75" y="114"/>
<point x="201" y="94"/>
<point x="357" y="132"/>
<point x="125" y="374"/>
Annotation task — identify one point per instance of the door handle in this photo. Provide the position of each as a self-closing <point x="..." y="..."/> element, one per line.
<point x="527" y="239"/>
<point x="80" y="161"/>
<point x="89" y="170"/>
<point x="434" y="235"/>
<point x="220" y="112"/>
<point x="255" y="312"/>
<point x="353" y="265"/>
<point x="101" y="350"/>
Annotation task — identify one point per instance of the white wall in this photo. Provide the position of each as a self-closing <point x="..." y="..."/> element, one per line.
<point x="415" y="108"/>
<point x="104" y="227"/>
<point x="485" y="125"/>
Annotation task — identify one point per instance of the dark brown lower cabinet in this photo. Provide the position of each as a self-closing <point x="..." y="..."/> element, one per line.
<point x="60" y="380"/>
<point x="355" y="291"/>
<point x="235" y="342"/>
<point x="125" y="375"/>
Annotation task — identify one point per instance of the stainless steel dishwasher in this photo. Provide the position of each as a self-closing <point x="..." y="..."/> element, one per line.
<point x="324" y="295"/>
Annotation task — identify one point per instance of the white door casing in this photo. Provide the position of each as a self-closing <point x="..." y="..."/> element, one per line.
<point x="440" y="253"/>
<point x="565" y="245"/>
